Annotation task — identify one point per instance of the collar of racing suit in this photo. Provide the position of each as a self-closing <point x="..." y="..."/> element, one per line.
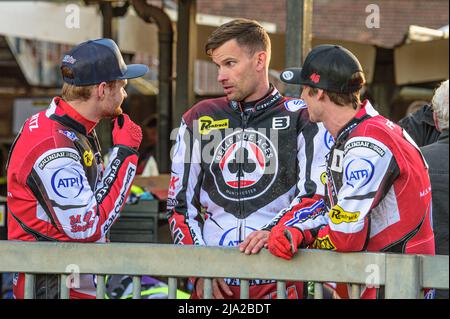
<point x="271" y="98"/>
<point x="67" y="115"/>
<point x="366" y="111"/>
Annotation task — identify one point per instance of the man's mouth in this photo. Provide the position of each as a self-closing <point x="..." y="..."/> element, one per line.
<point x="227" y="89"/>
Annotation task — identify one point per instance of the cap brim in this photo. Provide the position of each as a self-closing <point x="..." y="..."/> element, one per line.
<point x="291" y="76"/>
<point x="135" y="71"/>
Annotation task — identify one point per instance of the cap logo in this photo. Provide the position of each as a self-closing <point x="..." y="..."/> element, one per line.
<point x="315" y="78"/>
<point x="69" y="59"/>
<point x="287" y="75"/>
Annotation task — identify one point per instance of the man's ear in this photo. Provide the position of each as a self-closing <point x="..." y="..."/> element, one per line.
<point x="320" y="94"/>
<point x="261" y="61"/>
<point x="100" y="91"/>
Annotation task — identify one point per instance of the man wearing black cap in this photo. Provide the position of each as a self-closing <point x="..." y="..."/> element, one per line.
<point x="377" y="186"/>
<point x="58" y="189"/>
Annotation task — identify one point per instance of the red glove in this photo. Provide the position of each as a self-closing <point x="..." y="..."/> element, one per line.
<point x="126" y="132"/>
<point x="284" y="241"/>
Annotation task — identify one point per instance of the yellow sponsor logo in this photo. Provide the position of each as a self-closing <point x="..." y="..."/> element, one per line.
<point x="338" y="215"/>
<point x="88" y="157"/>
<point x="323" y="178"/>
<point x="206" y="124"/>
<point x="323" y="243"/>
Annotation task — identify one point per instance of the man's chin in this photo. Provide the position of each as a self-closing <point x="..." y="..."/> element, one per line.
<point x="234" y="97"/>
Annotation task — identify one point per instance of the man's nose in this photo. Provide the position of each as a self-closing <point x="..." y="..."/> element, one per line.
<point x="221" y="76"/>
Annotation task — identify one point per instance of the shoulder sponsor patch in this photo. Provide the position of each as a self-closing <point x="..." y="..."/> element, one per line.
<point x="359" y="172"/>
<point x="88" y="156"/>
<point x="207" y="124"/>
<point x="70" y="135"/>
<point x="56" y="155"/>
<point x="67" y="183"/>
<point x="365" y="144"/>
<point x="295" y="105"/>
<point x="338" y="215"/>
<point x="323" y="243"/>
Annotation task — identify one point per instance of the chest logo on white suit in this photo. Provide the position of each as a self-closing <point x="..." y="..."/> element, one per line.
<point x="245" y="165"/>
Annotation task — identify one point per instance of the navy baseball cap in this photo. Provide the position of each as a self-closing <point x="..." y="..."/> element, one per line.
<point x="96" y="61"/>
<point x="328" y="67"/>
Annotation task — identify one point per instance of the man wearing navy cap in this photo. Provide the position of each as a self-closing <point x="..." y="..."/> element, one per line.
<point x="378" y="195"/>
<point x="58" y="188"/>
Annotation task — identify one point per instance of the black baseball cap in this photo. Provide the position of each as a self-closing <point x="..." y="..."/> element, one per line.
<point x="329" y="67"/>
<point x="96" y="61"/>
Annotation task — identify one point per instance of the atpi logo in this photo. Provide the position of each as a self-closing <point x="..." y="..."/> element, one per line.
<point x="206" y="124"/>
<point x="359" y="171"/>
<point x="67" y="183"/>
<point x="230" y="237"/>
<point x="328" y="140"/>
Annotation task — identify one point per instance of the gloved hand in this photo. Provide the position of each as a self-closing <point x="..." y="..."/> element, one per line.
<point x="284" y="241"/>
<point x="126" y="132"/>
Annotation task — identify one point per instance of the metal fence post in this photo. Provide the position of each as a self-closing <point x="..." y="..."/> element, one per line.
<point x="29" y="286"/>
<point x="281" y="290"/>
<point x="64" y="288"/>
<point x="403" y="276"/>
<point x="100" y="287"/>
<point x="172" y="288"/>
<point x="137" y="287"/>
<point x="245" y="284"/>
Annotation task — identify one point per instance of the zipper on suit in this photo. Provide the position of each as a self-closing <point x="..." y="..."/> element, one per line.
<point x="245" y="117"/>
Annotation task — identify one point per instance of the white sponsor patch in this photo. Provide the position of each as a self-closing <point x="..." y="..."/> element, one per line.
<point x="281" y="123"/>
<point x="287" y="75"/>
<point x="295" y="105"/>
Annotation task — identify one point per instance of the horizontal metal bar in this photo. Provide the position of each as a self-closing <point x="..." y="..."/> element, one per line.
<point x="182" y="261"/>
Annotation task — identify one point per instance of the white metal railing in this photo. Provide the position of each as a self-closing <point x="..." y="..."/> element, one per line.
<point x="403" y="276"/>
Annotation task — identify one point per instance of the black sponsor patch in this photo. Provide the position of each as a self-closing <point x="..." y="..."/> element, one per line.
<point x="54" y="156"/>
<point x="365" y="144"/>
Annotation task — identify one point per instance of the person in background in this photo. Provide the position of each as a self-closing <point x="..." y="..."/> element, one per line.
<point x="147" y="165"/>
<point x="436" y="155"/>
<point x="419" y="123"/>
<point x="58" y="188"/>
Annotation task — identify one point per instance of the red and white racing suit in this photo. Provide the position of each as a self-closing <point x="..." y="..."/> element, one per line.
<point x="234" y="170"/>
<point x="378" y="194"/>
<point x="58" y="189"/>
